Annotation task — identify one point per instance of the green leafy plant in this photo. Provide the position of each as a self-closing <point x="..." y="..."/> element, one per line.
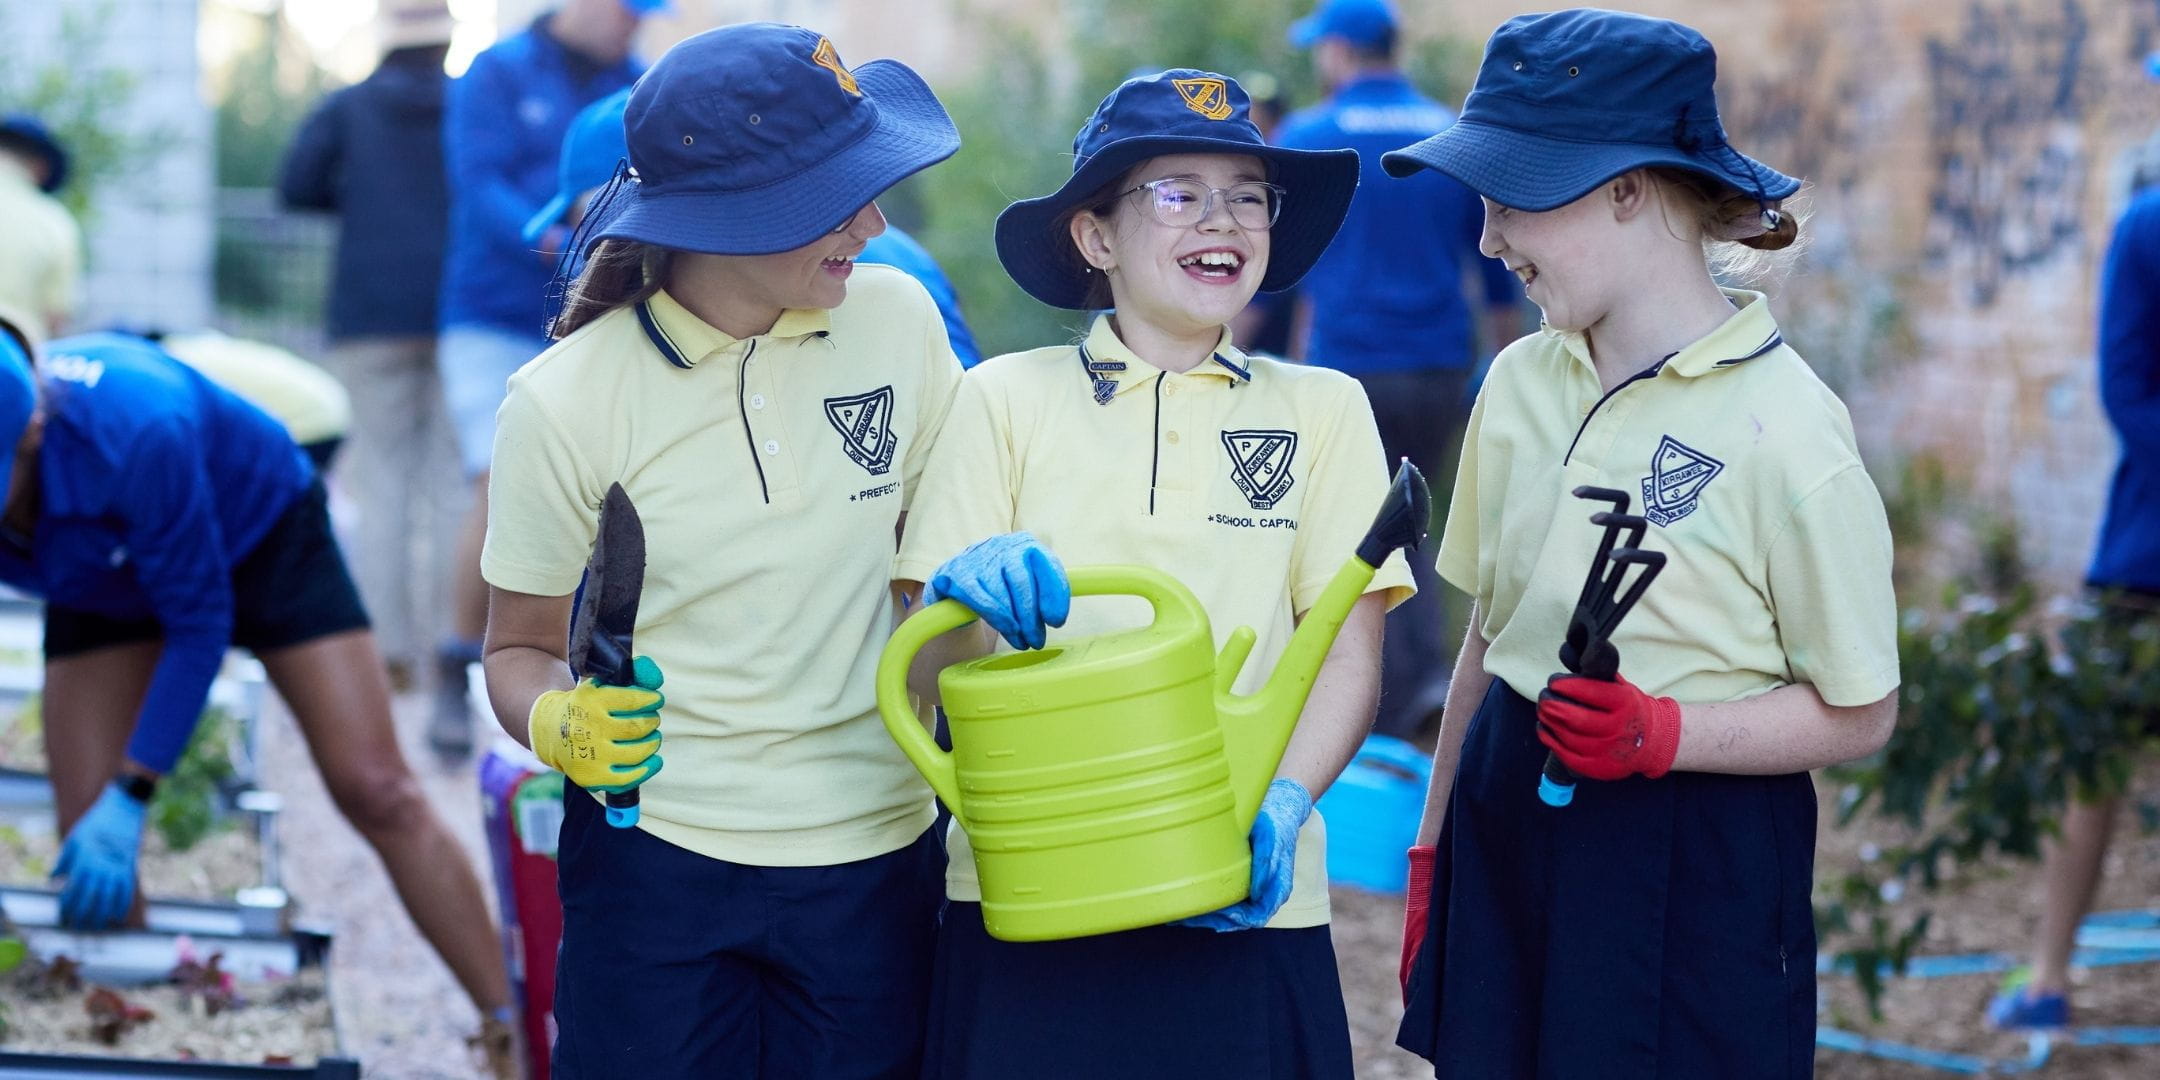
<point x="185" y="809"/>
<point x="85" y="105"/>
<point x="2009" y="710"/>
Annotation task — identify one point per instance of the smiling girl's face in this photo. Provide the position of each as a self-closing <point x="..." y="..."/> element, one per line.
<point x="1183" y="280"/>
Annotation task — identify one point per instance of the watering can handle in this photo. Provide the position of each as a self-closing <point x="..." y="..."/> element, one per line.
<point x="896" y="707"/>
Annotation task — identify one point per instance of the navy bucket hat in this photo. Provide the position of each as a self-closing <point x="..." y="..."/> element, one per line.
<point x="1180" y="111"/>
<point x="754" y="139"/>
<point x="30" y="134"/>
<point x="1566" y="101"/>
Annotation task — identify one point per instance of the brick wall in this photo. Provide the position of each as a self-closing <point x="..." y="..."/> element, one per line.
<point x="1967" y="161"/>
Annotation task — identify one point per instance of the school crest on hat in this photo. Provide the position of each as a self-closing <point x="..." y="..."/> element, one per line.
<point x="1678" y="475"/>
<point x="828" y="57"/>
<point x="864" y="422"/>
<point x="1210" y="97"/>
<point x="1260" y="464"/>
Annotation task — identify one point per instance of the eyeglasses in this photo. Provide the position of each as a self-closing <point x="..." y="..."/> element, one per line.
<point x="1182" y="204"/>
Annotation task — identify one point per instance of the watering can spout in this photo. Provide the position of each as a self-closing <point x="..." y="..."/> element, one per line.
<point x="1257" y="727"/>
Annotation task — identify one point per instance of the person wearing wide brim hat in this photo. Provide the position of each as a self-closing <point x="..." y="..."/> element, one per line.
<point x="767" y="406"/>
<point x="1154" y="440"/>
<point x="1614" y="869"/>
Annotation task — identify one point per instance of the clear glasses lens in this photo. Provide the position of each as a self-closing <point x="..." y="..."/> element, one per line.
<point x="1186" y="203"/>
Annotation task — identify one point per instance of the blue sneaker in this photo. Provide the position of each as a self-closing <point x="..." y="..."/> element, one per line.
<point x="2018" y="1009"/>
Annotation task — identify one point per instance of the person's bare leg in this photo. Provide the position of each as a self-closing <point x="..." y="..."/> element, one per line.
<point x="337" y="692"/>
<point x="2071" y="869"/>
<point x="88" y="709"/>
<point x="469" y="621"/>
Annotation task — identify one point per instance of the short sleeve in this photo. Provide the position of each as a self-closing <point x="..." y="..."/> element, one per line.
<point x="1349" y="477"/>
<point x="968" y="487"/>
<point x="1829" y="577"/>
<point x="543" y="502"/>
<point x="1459" y="538"/>
<point x="940" y="382"/>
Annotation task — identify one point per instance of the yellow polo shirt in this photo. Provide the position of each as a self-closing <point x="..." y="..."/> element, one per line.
<point x="42" y="264"/>
<point x="1777" y="550"/>
<point x="1249" y="480"/>
<point x="770" y="474"/>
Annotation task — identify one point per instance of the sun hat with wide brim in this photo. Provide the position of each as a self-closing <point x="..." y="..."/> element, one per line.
<point x="1569" y="100"/>
<point x="753" y="139"/>
<point x="30" y="134"/>
<point x="1180" y="111"/>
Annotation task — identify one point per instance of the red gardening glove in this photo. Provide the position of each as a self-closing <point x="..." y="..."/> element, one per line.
<point x="1608" y="730"/>
<point x="1417" y="904"/>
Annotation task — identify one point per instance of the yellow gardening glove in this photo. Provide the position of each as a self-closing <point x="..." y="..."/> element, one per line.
<point x="604" y="738"/>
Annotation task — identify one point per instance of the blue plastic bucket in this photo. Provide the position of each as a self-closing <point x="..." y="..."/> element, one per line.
<point x="1372" y="814"/>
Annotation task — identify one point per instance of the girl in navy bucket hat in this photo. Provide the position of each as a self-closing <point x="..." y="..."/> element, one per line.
<point x="767" y="405"/>
<point x="1659" y="924"/>
<point x="1154" y="440"/>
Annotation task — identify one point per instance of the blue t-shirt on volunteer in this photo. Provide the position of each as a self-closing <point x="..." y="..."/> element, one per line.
<point x="503" y="127"/>
<point x="897" y="249"/>
<point x="1387" y="295"/>
<point x="154" y="483"/>
<point x="2128" y="554"/>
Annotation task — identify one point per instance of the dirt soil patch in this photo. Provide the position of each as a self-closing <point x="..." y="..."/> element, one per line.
<point x="288" y="1020"/>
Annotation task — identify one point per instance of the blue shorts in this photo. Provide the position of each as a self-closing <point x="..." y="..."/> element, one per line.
<point x="1652" y="930"/>
<point x="1168" y="1002"/>
<point x="678" y="965"/>
<point x="476" y="364"/>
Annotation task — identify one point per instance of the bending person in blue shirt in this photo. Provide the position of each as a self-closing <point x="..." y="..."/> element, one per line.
<point x="163" y="519"/>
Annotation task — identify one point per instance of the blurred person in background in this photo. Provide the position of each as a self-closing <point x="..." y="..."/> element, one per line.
<point x="40" y="270"/>
<point x="503" y="133"/>
<point x="372" y="155"/>
<point x="163" y="520"/>
<point x="1386" y="303"/>
<point x="2125" y="575"/>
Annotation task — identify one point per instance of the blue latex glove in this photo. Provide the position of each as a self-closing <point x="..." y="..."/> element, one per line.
<point x="98" y="861"/>
<point x="1012" y="581"/>
<point x="1274" y="860"/>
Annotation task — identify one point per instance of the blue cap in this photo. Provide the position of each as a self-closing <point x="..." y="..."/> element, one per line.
<point x="754" y="138"/>
<point x="645" y="7"/>
<point x="30" y="133"/>
<point x="18" y="399"/>
<point x="1365" y="23"/>
<point x="1568" y="100"/>
<point x="590" y="151"/>
<point x="1180" y="111"/>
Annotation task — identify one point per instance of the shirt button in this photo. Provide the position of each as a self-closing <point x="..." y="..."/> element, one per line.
<point x="1170" y="389"/>
<point x="772" y="446"/>
<point x="757" y="401"/>
<point x="1173" y="438"/>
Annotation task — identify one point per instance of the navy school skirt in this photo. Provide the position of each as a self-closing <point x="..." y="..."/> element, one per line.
<point x="676" y="966"/>
<point x="1167" y="1002"/>
<point x="1653" y="928"/>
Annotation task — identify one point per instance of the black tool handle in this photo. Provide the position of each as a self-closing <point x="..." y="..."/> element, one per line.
<point x="613" y="665"/>
<point x="1405" y="515"/>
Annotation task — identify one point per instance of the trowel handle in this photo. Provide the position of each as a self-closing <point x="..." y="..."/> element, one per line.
<point x="1405" y="515"/>
<point x="897" y="709"/>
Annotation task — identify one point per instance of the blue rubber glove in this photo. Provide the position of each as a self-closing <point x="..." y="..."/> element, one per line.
<point x="1274" y="860"/>
<point x="1012" y="581"/>
<point x="98" y="861"/>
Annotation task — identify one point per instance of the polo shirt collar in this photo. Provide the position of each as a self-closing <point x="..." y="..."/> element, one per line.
<point x="1108" y="360"/>
<point x="684" y="339"/>
<point x="1750" y="331"/>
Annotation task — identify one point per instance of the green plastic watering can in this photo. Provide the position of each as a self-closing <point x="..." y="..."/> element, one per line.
<point x="1108" y="782"/>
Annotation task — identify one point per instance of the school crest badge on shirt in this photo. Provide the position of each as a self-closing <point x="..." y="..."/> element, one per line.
<point x="1678" y="475"/>
<point x="1260" y="464"/>
<point x="864" y="422"/>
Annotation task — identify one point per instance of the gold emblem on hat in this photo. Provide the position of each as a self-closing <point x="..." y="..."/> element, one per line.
<point x="1208" y="97"/>
<point x="828" y="58"/>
